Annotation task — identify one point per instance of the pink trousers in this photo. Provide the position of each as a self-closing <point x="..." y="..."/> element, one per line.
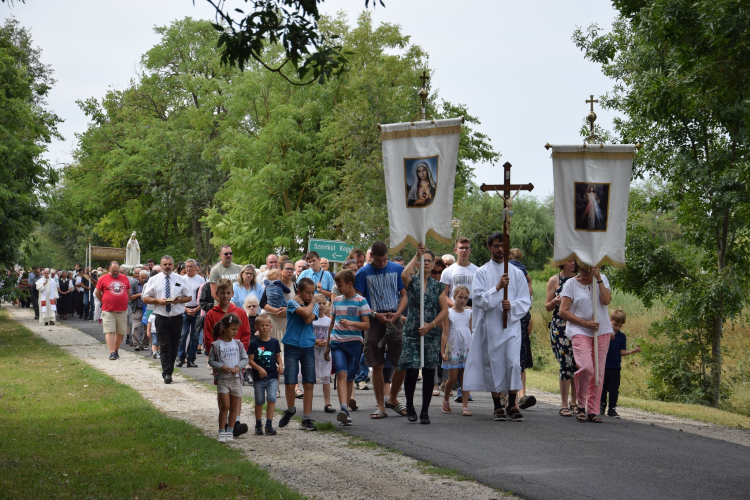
<point x="589" y="395"/>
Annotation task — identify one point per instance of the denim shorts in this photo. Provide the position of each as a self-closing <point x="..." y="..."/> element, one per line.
<point x="296" y="358"/>
<point x="265" y="390"/>
<point x="345" y="356"/>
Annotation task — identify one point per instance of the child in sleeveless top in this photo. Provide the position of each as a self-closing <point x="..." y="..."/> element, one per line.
<point x="455" y="346"/>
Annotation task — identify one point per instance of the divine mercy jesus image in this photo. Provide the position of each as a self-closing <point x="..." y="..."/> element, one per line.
<point x="592" y="206"/>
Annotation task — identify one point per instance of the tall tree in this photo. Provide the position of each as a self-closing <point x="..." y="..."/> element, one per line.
<point x="308" y="163"/>
<point x="682" y="82"/>
<point x="149" y="160"/>
<point x="26" y="127"/>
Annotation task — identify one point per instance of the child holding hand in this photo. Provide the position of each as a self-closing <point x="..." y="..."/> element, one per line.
<point x="617" y="349"/>
<point x="455" y="345"/>
<point x="227" y="358"/>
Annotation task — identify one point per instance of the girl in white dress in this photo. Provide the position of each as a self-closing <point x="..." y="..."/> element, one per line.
<point x="455" y="346"/>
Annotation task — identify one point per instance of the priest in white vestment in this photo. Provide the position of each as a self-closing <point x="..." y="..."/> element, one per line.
<point x="494" y="361"/>
<point x="47" y="288"/>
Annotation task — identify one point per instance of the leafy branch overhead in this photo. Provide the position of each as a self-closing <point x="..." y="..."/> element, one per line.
<point x="292" y="24"/>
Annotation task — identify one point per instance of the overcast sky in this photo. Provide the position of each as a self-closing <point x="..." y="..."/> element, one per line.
<point x="512" y="63"/>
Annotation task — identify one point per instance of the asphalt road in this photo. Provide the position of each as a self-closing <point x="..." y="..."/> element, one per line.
<point x="546" y="456"/>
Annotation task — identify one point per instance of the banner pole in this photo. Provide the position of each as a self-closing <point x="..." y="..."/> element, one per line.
<point x="421" y="313"/>
<point x="595" y="303"/>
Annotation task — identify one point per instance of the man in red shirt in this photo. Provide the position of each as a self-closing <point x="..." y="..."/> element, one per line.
<point x="225" y="292"/>
<point x="113" y="291"/>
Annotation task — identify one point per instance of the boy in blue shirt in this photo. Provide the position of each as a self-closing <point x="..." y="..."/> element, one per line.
<point x="617" y="349"/>
<point x="299" y="351"/>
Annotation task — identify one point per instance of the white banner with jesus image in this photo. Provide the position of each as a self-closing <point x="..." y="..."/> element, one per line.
<point x="592" y="185"/>
<point x="419" y="160"/>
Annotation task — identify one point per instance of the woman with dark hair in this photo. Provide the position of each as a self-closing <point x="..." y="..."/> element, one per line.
<point x="435" y="311"/>
<point x="561" y="346"/>
<point x="64" y="288"/>
<point x="436" y="273"/>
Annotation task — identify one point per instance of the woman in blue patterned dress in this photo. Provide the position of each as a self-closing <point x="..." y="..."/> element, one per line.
<point x="561" y="346"/>
<point x="435" y="311"/>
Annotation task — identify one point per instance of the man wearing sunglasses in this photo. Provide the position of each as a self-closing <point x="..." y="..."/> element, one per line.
<point x="224" y="269"/>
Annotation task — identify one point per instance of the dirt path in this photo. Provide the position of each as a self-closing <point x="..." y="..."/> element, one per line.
<point x="318" y="465"/>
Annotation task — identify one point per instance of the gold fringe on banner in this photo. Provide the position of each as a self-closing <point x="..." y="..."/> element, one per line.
<point x="422" y="132"/>
<point x="593" y="154"/>
<point x="413" y="241"/>
<point x="606" y="260"/>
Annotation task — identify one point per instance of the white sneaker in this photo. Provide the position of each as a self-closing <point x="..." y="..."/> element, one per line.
<point x="228" y="437"/>
<point x="222" y="438"/>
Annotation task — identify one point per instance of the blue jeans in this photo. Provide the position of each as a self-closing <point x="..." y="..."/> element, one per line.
<point x="345" y="356"/>
<point x="296" y="357"/>
<point x="188" y="329"/>
<point x="86" y="304"/>
<point x="265" y="390"/>
<point x="363" y="372"/>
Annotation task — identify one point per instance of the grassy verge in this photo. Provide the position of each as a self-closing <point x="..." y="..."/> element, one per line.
<point x="69" y="431"/>
<point x="549" y="382"/>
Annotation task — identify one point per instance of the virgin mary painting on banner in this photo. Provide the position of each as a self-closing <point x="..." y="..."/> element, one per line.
<point x="419" y="160"/>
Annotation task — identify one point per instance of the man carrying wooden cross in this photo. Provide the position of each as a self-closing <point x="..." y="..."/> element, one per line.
<point x="500" y="297"/>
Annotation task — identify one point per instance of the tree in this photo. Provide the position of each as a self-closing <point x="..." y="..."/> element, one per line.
<point x="309" y="161"/>
<point x="149" y="160"/>
<point x="26" y="127"/>
<point x="681" y="81"/>
<point x="292" y="25"/>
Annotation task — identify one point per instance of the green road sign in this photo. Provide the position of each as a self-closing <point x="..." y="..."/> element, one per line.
<point x="334" y="251"/>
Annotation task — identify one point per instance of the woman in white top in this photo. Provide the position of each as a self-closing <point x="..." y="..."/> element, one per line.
<point x="577" y="309"/>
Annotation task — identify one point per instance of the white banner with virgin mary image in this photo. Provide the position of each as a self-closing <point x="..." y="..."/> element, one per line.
<point x="419" y="160"/>
<point x="592" y="185"/>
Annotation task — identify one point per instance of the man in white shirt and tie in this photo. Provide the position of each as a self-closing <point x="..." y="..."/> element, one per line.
<point x="168" y="293"/>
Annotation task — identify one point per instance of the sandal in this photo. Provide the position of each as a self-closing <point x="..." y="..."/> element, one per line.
<point x="329" y="409"/>
<point x="378" y="415"/>
<point x="436" y="392"/>
<point x="353" y="405"/>
<point x="499" y="415"/>
<point x="465" y="412"/>
<point x="446" y="407"/>
<point x="399" y="408"/>
<point x="565" y="412"/>
<point x="581" y="414"/>
<point x="298" y="394"/>
<point x="514" y="414"/>
<point x="595" y="418"/>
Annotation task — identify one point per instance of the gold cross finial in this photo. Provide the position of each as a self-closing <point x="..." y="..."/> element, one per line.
<point x="425" y="78"/>
<point x="592" y="101"/>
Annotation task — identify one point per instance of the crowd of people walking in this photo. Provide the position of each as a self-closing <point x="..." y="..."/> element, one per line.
<point x="301" y="323"/>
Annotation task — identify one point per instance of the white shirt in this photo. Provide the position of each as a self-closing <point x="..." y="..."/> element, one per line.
<point x="583" y="307"/>
<point x="156" y="288"/>
<point x="193" y="284"/>
<point x="455" y="276"/>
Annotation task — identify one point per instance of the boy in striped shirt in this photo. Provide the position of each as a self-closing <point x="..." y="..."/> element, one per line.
<point x="351" y="317"/>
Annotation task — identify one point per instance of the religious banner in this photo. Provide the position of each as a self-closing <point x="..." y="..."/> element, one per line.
<point x="592" y="185"/>
<point x="420" y="159"/>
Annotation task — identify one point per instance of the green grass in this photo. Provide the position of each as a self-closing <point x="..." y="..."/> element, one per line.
<point x="429" y="468"/>
<point x="735" y="410"/>
<point x="69" y="431"/>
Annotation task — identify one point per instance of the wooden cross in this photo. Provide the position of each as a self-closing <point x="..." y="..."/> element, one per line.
<point x="506" y="187"/>
<point x="592" y="101"/>
<point x="426" y="78"/>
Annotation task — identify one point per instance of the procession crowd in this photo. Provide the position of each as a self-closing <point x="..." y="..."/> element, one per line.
<point x="359" y="326"/>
